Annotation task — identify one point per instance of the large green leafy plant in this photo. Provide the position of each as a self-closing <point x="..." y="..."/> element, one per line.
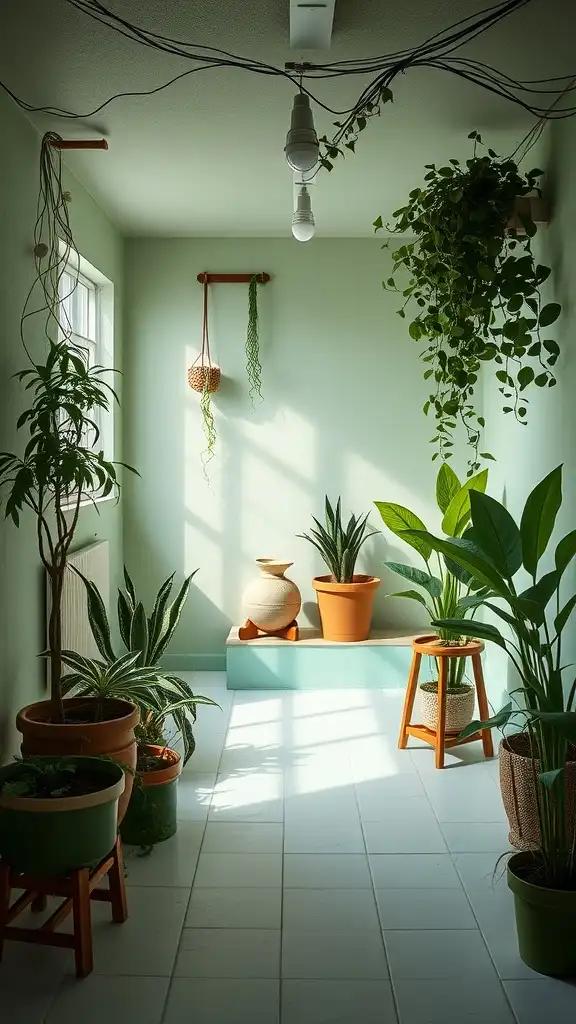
<point x="339" y="545"/>
<point x="474" y="287"/>
<point x="137" y="675"/>
<point x="61" y="465"/>
<point x="445" y="585"/>
<point x="534" y="620"/>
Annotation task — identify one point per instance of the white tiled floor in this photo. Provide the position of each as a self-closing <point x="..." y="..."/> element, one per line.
<point x="319" y="876"/>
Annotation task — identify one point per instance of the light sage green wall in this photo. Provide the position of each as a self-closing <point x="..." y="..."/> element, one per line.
<point x="343" y="392"/>
<point x="22" y="590"/>
<point x="527" y="454"/>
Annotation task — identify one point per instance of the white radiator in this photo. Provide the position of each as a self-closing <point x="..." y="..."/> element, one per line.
<point x="94" y="563"/>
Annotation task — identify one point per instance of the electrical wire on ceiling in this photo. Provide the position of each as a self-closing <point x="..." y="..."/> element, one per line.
<point x="435" y="52"/>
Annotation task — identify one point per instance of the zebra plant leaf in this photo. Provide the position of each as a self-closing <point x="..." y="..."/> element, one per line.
<point x="124" y="618"/>
<point x="97" y="617"/>
<point x="129" y="589"/>
<point x="139" y="633"/>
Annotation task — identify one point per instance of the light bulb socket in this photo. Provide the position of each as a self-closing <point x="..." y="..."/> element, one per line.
<point x="301" y="147"/>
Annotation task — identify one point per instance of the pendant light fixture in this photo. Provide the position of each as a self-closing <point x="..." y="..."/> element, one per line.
<point x="303" y="223"/>
<point x="301" y="147"/>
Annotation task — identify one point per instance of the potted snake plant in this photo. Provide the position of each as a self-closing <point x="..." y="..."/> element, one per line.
<point x="442" y="589"/>
<point x="163" y="698"/>
<point x="540" y="719"/>
<point x="345" y="599"/>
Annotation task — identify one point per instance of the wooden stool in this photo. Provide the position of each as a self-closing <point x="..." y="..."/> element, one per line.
<point x="438" y="738"/>
<point x="78" y="889"/>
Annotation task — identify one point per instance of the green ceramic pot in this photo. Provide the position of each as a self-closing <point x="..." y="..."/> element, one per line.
<point x="544" y="922"/>
<point x="152" y="812"/>
<point x="52" y="837"/>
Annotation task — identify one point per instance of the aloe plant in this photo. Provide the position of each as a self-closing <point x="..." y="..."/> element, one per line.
<point x="339" y="545"/>
<point x="137" y="676"/>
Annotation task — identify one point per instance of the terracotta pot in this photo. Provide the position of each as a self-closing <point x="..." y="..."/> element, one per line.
<point x="271" y="601"/>
<point x="204" y="377"/>
<point x="459" y="706"/>
<point x="345" y="608"/>
<point x="114" y="736"/>
<point x="518" y="774"/>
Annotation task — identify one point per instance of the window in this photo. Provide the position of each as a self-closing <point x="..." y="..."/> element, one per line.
<point x="87" y="317"/>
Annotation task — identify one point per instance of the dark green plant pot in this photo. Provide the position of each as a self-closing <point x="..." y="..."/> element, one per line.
<point x="52" y="837"/>
<point x="152" y="812"/>
<point x="544" y="923"/>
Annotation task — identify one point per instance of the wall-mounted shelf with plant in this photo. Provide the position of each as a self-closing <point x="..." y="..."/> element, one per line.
<point x="475" y="287"/>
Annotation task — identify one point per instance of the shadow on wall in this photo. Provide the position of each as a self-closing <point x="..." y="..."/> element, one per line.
<point x="341" y="414"/>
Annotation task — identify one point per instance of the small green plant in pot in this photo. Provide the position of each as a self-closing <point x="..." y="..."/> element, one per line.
<point x="345" y="599"/>
<point x="58" y="814"/>
<point x="543" y="879"/>
<point x="443" y="588"/>
<point x="162" y="698"/>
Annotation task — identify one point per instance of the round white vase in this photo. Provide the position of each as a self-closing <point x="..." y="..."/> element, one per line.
<point x="271" y="601"/>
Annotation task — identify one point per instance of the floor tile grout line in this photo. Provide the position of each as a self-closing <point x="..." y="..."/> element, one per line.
<point x="375" y="898"/>
<point x="452" y="855"/>
<point x="178" y="947"/>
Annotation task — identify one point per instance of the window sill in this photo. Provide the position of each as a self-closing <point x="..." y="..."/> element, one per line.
<point x="87" y="502"/>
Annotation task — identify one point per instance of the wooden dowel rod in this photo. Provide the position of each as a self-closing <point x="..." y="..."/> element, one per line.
<point x="79" y="144"/>
<point x="232" y="278"/>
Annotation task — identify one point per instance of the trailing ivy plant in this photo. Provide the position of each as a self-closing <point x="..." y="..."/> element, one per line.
<point x="346" y="135"/>
<point x="475" y="285"/>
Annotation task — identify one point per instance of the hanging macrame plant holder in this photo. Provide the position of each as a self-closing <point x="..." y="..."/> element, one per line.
<point x="203" y="375"/>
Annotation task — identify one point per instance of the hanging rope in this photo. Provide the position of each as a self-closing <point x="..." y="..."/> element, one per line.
<point x="205" y="378"/>
<point x="253" y="365"/>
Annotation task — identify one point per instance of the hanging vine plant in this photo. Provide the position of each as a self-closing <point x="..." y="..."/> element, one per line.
<point x="253" y="365"/>
<point x="475" y="285"/>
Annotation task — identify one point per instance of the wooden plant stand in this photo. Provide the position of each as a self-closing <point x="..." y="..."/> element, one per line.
<point x="438" y="738"/>
<point x="78" y="889"/>
<point x="249" y="631"/>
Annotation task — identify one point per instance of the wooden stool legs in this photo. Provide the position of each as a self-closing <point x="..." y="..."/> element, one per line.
<point x="409" y="701"/>
<point x="438" y="737"/>
<point x="77" y="891"/>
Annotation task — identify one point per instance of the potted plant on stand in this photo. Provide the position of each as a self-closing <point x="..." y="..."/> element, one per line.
<point x="345" y="600"/>
<point x="58" y="814"/>
<point x="161" y="697"/>
<point x="445" y="590"/>
<point x="542" y="878"/>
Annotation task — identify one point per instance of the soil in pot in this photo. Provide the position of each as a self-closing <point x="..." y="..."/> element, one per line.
<point x="518" y="779"/>
<point x="92" y="728"/>
<point x="152" y="812"/>
<point x="544" y="919"/>
<point x="459" y="706"/>
<point x="346" y="608"/>
<point x="66" y="820"/>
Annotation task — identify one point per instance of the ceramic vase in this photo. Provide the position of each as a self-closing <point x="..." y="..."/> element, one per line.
<point x="271" y="601"/>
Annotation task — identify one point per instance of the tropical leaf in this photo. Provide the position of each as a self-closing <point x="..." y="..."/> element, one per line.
<point x="129" y="589"/>
<point x="430" y="583"/>
<point x="413" y="595"/>
<point x="447" y="486"/>
<point x="497" y="721"/>
<point x="124" y="618"/>
<point x="457" y="514"/>
<point x="97" y="617"/>
<point x="466" y="554"/>
<point x="564" y="614"/>
<point x="565" y="551"/>
<point x="539" y="517"/>
<point x="174" y="614"/>
<point x="139" y="634"/>
<point x="496" y="533"/>
<point x="402" y="521"/>
<point x="475" y="630"/>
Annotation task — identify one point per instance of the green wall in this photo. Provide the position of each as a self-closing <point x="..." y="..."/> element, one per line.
<point x="343" y="392"/>
<point x="22" y="590"/>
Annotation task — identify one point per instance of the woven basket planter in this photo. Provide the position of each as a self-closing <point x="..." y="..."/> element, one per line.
<point x="204" y="378"/>
<point x="459" y="707"/>
<point x="518" y="778"/>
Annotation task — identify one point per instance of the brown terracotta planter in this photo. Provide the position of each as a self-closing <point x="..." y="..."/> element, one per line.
<point x="345" y="608"/>
<point x="518" y="775"/>
<point x="114" y="736"/>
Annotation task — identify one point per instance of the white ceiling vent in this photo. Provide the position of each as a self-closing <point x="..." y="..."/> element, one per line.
<point x="311" y="24"/>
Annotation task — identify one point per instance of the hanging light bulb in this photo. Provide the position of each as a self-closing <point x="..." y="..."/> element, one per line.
<point x="301" y="147"/>
<point x="303" y="223"/>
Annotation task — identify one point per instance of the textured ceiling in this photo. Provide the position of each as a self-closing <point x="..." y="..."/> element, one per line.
<point x="205" y="157"/>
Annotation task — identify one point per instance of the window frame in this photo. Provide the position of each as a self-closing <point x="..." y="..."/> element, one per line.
<point x="102" y="347"/>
